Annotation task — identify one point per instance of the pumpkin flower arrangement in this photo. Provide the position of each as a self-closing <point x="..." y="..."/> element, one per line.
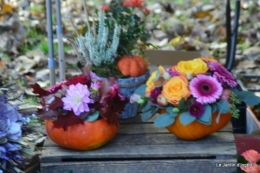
<point x="194" y="98"/>
<point x="114" y="44"/>
<point x="82" y="112"/>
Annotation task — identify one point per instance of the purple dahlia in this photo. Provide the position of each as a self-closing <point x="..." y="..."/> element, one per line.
<point x="196" y="109"/>
<point x="222" y="74"/>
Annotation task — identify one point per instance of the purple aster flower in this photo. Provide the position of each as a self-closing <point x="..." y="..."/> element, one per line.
<point x="172" y="72"/>
<point x="77" y="99"/>
<point x="206" y="89"/>
<point x="3" y="124"/>
<point x="196" y="109"/>
<point x="94" y="77"/>
<point x="155" y="93"/>
<point x="222" y="74"/>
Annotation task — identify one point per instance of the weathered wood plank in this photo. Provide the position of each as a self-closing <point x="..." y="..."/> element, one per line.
<point x="150" y="128"/>
<point x="110" y="151"/>
<point x="161" y="139"/>
<point x="142" y="166"/>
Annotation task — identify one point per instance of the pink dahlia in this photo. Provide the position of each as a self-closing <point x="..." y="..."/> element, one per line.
<point x="206" y="89"/>
<point x="222" y="74"/>
<point x="77" y="99"/>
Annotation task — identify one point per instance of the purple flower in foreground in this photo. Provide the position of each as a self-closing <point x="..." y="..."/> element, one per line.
<point x="155" y="93"/>
<point x="172" y="72"/>
<point x="196" y="109"/>
<point x="222" y="74"/>
<point x="206" y="89"/>
<point x="77" y="99"/>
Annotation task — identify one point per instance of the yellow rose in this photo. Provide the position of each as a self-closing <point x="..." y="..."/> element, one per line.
<point x="194" y="67"/>
<point x="151" y="84"/>
<point x="175" y="89"/>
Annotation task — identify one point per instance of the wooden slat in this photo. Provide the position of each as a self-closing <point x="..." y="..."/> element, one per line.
<point x="110" y="151"/>
<point x="143" y="166"/>
<point x="161" y="139"/>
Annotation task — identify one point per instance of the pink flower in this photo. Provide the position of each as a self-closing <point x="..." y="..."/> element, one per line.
<point x="161" y="100"/>
<point x="77" y="99"/>
<point x="225" y="95"/>
<point x="251" y="168"/>
<point x="222" y="74"/>
<point x="105" y="8"/>
<point x="251" y="156"/>
<point x="206" y="89"/>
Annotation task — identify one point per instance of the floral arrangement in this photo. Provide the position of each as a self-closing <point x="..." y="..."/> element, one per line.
<point x="81" y="98"/>
<point x="195" y="89"/>
<point x="117" y="33"/>
<point x="250" y="162"/>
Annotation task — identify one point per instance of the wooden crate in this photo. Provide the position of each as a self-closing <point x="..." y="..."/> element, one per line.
<point x="142" y="148"/>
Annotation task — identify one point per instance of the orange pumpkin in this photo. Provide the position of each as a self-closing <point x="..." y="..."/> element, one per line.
<point x="197" y="130"/>
<point x="132" y="66"/>
<point x="87" y="136"/>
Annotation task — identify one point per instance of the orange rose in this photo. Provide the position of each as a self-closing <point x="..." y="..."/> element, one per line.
<point x="175" y="89"/>
<point x="151" y="83"/>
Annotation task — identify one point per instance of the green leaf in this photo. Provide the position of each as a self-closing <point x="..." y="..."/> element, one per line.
<point x="181" y="104"/>
<point x="146" y="115"/>
<point x="141" y="90"/>
<point x="186" y="118"/>
<point x="241" y="95"/>
<point x="252" y="100"/>
<point x="164" y="120"/>
<point x="146" y="107"/>
<point x="158" y="75"/>
<point x="223" y="106"/>
<point x="206" y="117"/>
<point x="214" y="108"/>
<point x="92" y="117"/>
<point x="169" y="109"/>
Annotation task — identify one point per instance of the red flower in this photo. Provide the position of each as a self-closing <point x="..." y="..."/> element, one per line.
<point x="105" y="8"/>
<point x="146" y="11"/>
<point x="133" y="3"/>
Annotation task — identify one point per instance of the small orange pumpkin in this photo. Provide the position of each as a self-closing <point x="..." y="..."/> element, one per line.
<point x="87" y="136"/>
<point x="132" y="66"/>
<point x="197" y="130"/>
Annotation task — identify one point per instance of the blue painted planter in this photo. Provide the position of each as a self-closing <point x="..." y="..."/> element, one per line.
<point x="127" y="87"/>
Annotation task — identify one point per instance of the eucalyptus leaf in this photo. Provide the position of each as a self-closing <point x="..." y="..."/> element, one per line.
<point x="164" y="120"/>
<point x="241" y="95"/>
<point x="206" y="117"/>
<point x="252" y="100"/>
<point x="146" y="107"/>
<point x="92" y="117"/>
<point x="214" y="108"/>
<point x="169" y="109"/>
<point x="186" y="118"/>
<point x="141" y="90"/>
<point x="223" y="106"/>
<point x="146" y="115"/>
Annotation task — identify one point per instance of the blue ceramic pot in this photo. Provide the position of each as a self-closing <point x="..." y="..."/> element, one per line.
<point x="127" y="87"/>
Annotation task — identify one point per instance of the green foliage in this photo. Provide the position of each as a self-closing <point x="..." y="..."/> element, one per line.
<point x="206" y="117"/>
<point x="141" y="90"/>
<point x="234" y="101"/>
<point x="133" y="28"/>
<point x="106" y="70"/>
<point x="164" y="120"/>
<point x="92" y="117"/>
